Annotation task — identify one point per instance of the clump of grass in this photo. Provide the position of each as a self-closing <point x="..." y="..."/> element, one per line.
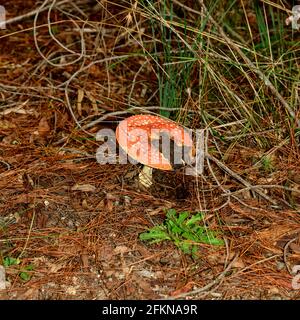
<point x="185" y="230"/>
<point x="173" y="60"/>
<point x="190" y="55"/>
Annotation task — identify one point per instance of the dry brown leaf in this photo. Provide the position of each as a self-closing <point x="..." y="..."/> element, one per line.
<point x="252" y="18"/>
<point x="109" y="205"/>
<point x="105" y="252"/>
<point x="44" y="128"/>
<point x="143" y="251"/>
<point x="62" y="119"/>
<point x="41" y="220"/>
<point x="55" y="267"/>
<point x="85" y="204"/>
<point x="295" y="247"/>
<point x="238" y="263"/>
<point x="10" y="139"/>
<point x="110" y="200"/>
<point x="186" y="288"/>
<point x="85" y="259"/>
<point x="95" y="71"/>
<point x="216" y="258"/>
<point x="143" y="284"/>
<point x="5" y="124"/>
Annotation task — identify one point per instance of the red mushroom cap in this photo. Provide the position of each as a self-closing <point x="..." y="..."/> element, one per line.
<point x="135" y="134"/>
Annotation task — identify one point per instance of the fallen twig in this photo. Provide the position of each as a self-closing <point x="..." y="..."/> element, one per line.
<point x="33" y="12"/>
<point x="240" y="179"/>
<point x="285" y="250"/>
<point x="217" y="280"/>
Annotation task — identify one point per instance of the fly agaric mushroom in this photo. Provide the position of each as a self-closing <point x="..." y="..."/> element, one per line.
<point x="147" y="139"/>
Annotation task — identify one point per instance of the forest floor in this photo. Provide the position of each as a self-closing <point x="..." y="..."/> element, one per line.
<point x="69" y="227"/>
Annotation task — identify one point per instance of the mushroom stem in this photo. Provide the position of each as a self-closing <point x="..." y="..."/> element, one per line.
<point x="145" y="177"/>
